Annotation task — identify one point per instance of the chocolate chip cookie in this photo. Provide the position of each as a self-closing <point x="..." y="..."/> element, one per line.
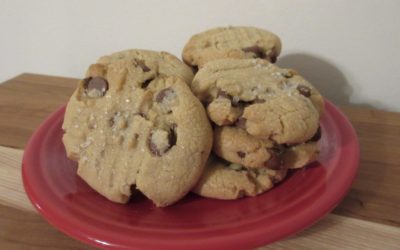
<point x="229" y="181"/>
<point x="132" y="124"/>
<point x="265" y="100"/>
<point x="237" y="146"/>
<point x="231" y="42"/>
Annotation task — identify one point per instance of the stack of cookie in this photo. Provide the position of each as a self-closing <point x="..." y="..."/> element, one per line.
<point x="266" y="119"/>
<point x="141" y="120"/>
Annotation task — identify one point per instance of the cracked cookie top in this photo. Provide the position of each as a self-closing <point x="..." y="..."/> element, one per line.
<point x="231" y="42"/>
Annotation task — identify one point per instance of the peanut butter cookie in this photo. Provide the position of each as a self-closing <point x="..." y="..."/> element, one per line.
<point x="131" y="123"/>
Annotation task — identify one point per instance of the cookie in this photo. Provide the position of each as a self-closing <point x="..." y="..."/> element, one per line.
<point x="236" y="145"/>
<point x="130" y="125"/>
<point x="231" y="42"/>
<point x="282" y="118"/>
<point x="265" y="100"/>
<point x="152" y="63"/>
<point x="229" y="181"/>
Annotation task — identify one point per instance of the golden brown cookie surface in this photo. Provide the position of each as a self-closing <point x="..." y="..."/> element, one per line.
<point x="236" y="145"/>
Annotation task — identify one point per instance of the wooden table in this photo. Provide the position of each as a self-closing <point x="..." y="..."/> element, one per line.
<point x="367" y="218"/>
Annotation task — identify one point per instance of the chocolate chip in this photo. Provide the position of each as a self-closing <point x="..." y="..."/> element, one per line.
<point x="258" y="51"/>
<point x="158" y="151"/>
<point x="235" y="100"/>
<point x="241" y="154"/>
<point x="95" y="86"/>
<point x="153" y="148"/>
<point x="278" y="148"/>
<point x="146" y="83"/>
<point x="163" y="93"/>
<point x="316" y="136"/>
<point x="304" y="90"/>
<point x="172" y="136"/>
<point x="241" y="123"/>
<point x="142" y="65"/>
<point x="274" y="162"/>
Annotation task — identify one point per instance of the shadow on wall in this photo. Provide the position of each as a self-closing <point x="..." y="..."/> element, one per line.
<point x="325" y="76"/>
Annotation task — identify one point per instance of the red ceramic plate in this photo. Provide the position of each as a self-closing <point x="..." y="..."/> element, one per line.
<point x="194" y="222"/>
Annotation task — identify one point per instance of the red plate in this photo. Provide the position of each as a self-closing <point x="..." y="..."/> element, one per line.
<point x="194" y="222"/>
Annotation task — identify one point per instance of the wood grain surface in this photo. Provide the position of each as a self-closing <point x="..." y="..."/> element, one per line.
<point x="367" y="218"/>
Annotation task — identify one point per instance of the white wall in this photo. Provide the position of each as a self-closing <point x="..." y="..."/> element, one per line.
<point x="349" y="49"/>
